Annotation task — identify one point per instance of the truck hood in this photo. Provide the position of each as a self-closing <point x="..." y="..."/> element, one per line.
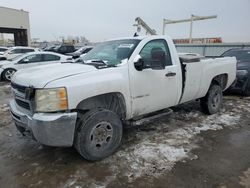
<point x="40" y="76"/>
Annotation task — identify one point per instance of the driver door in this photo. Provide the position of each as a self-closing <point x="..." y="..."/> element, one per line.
<point x="154" y="89"/>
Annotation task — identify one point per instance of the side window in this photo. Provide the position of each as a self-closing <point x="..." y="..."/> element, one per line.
<point x="50" y="57"/>
<point x="63" y="49"/>
<point x="16" y="51"/>
<point x="27" y="50"/>
<point x="32" y="58"/>
<point x="156" y="50"/>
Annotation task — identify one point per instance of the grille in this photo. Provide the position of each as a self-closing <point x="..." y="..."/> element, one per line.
<point x="23" y="104"/>
<point x="18" y="87"/>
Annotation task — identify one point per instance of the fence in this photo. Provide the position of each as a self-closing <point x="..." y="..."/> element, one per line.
<point x="209" y="49"/>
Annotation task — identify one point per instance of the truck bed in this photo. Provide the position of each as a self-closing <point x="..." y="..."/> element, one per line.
<point x="198" y="73"/>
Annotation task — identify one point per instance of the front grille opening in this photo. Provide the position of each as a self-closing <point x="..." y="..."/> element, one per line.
<point x="23" y="104"/>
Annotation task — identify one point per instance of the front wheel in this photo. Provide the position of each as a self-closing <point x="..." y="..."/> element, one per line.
<point x="8" y="73"/>
<point x="98" y="134"/>
<point x="212" y="102"/>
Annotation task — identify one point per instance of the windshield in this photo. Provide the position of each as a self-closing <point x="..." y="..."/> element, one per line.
<point x="112" y="52"/>
<point x="241" y="55"/>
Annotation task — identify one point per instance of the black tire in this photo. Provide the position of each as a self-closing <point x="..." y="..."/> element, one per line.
<point x="246" y="91"/>
<point x="98" y="134"/>
<point x="8" y="73"/>
<point x="212" y="102"/>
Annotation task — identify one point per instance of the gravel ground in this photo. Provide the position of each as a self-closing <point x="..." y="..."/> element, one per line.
<point x="187" y="149"/>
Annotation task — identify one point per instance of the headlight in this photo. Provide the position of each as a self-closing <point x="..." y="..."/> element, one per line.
<point x="242" y="72"/>
<point x="51" y="100"/>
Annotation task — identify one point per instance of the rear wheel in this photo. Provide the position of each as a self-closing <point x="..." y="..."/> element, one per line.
<point x="98" y="135"/>
<point x="8" y="73"/>
<point x="212" y="102"/>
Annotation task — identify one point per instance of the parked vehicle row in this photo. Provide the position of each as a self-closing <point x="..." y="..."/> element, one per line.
<point x="62" y="49"/>
<point x="119" y="82"/>
<point x="27" y="60"/>
<point x="13" y="59"/>
<point x="16" y="51"/>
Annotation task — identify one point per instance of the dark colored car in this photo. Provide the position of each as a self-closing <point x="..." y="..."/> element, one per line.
<point x="62" y="49"/>
<point x="81" y="51"/>
<point x="242" y="82"/>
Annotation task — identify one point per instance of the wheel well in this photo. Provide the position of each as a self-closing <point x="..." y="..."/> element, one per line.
<point x="111" y="101"/>
<point x="220" y="80"/>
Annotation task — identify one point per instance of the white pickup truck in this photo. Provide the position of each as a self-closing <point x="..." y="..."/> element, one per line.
<point x="119" y="82"/>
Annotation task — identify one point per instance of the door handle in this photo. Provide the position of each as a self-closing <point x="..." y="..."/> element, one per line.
<point x="169" y="74"/>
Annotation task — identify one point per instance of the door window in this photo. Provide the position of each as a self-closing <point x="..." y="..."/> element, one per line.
<point x="27" y="50"/>
<point x="50" y="57"/>
<point x="32" y="58"/>
<point x="16" y="51"/>
<point x="155" y="51"/>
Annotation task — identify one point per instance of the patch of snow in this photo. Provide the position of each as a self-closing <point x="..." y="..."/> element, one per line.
<point x="158" y="152"/>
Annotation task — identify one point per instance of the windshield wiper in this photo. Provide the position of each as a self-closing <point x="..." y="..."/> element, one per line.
<point x="98" y="63"/>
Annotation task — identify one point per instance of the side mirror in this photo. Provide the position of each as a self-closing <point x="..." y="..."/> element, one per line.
<point x="139" y="63"/>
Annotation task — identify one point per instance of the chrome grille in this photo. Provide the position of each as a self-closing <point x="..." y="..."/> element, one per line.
<point x="20" y="94"/>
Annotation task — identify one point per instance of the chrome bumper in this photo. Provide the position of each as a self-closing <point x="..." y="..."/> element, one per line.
<point x="49" y="129"/>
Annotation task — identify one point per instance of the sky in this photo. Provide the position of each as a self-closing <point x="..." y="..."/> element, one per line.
<point x="99" y="20"/>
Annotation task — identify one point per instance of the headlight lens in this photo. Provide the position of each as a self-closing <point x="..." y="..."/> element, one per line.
<point x="242" y="72"/>
<point x="51" y="100"/>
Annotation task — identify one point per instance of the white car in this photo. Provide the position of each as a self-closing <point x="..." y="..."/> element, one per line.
<point x="16" y="51"/>
<point x="32" y="59"/>
<point x="3" y="49"/>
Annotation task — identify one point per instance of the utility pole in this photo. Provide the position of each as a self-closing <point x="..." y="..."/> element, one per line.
<point x="191" y="20"/>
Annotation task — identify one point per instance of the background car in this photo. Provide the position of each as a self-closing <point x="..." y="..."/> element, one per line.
<point x="80" y="51"/>
<point x="3" y="49"/>
<point x="62" y="49"/>
<point x="16" y="51"/>
<point x="242" y="82"/>
<point x="9" y="67"/>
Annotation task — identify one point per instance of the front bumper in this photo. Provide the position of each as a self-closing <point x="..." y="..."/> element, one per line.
<point x="49" y="129"/>
<point x="240" y="83"/>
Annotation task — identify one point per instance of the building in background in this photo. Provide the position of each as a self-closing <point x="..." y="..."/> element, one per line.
<point x="15" y="22"/>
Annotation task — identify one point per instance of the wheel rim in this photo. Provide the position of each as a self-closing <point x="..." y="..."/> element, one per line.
<point x="216" y="100"/>
<point x="9" y="73"/>
<point x="101" y="135"/>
